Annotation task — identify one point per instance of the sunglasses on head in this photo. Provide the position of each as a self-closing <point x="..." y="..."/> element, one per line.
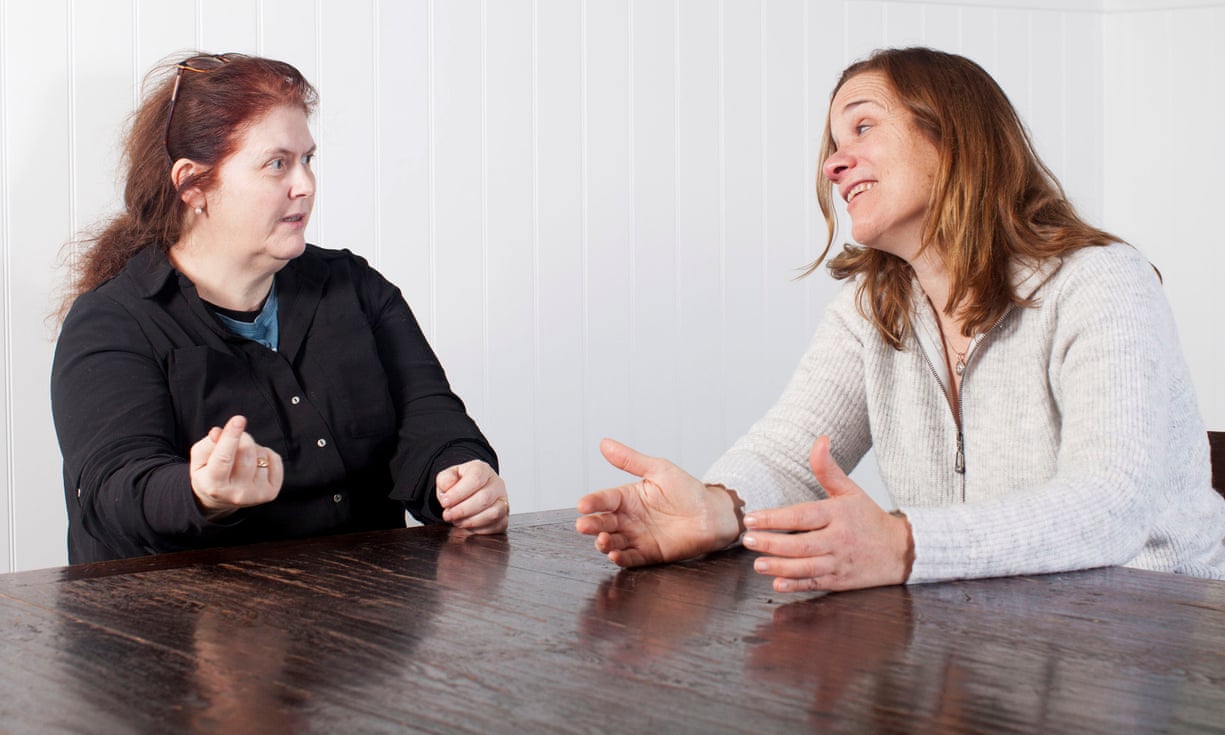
<point x="200" y="64"/>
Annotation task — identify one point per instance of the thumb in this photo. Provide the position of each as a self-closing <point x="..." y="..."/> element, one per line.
<point x="446" y="479"/>
<point x="827" y="471"/>
<point x="627" y="459"/>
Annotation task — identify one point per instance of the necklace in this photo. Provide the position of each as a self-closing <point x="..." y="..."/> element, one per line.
<point x="960" y="367"/>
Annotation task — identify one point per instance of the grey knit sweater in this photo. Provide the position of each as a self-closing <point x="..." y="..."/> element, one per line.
<point x="1083" y="444"/>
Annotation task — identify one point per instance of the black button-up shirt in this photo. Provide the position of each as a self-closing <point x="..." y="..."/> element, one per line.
<point x="353" y="400"/>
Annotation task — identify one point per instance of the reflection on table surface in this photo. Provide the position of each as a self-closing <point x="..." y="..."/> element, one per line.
<point x="433" y="630"/>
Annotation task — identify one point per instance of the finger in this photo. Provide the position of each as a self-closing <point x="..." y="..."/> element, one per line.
<point x="203" y="449"/>
<point x="827" y="471"/>
<point x="601" y="501"/>
<point x="792" y="545"/>
<point x="811" y="584"/>
<point x="473" y="477"/>
<point x="630" y="557"/>
<point x="246" y="457"/>
<point x="275" y="471"/>
<point x="807" y="516"/>
<point x="627" y="459"/>
<point x="808" y="567"/>
<point x="590" y="525"/>
<point x="484" y="497"/>
<point x="607" y="542"/>
<point x="493" y="519"/>
<point x="227" y="443"/>
<point x="445" y="480"/>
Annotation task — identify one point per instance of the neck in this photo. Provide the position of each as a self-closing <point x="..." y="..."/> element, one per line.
<point x="933" y="279"/>
<point x="220" y="280"/>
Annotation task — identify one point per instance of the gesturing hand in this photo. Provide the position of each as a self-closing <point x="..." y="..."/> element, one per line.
<point x="473" y="497"/>
<point x="668" y="515"/>
<point x="847" y="540"/>
<point x="230" y="471"/>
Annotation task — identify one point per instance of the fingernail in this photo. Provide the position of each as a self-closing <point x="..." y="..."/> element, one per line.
<point x="750" y="541"/>
<point x="761" y="565"/>
<point x="750" y="520"/>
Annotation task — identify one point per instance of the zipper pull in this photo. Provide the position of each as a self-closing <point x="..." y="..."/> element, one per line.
<point x="959" y="466"/>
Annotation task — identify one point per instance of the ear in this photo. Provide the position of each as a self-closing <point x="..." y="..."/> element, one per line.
<point x="185" y="170"/>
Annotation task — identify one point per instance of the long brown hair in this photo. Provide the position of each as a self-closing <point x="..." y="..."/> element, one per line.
<point x="211" y="111"/>
<point x="992" y="201"/>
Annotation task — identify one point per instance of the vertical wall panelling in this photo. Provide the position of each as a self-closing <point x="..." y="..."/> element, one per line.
<point x="509" y="416"/>
<point x="904" y="25"/>
<point x="38" y="223"/>
<point x="977" y="38"/>
<point x="699" y="236"/>
<point x="608" y="230"/>
<point x="1163" y="157"/>
<point x="229" y="25"/>
<point x="1082" y="115"/>
<point x="654" y="367"/>
<point x="347" y="204"/>
<point x="162" y="28"/>
<point x="460" y="268"/>
<point x="787" y="189"/>
<point x="7" y="480"/>
<point x="402" y="151"/>
<point x="1046" y="62"/>
<point x="562" y="450"/>
<point x="745" y="393"/>
<point x="941" y="26"/>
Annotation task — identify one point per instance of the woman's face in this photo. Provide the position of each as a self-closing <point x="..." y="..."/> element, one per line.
<point x="262" y="201"/>
<point x="883" y="166"/>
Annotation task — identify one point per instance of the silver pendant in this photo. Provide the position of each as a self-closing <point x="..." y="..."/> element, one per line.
<point x="961" y="366"/>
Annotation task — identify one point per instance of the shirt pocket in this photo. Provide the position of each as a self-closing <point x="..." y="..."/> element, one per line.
<point x="207" y="387"/>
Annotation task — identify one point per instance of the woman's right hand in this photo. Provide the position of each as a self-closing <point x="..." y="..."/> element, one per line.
<point x="668" y="515"/>
<point x="230" y="471"/>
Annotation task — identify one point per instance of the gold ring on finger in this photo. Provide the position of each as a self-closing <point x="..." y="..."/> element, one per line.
<point x="261" y="463"/>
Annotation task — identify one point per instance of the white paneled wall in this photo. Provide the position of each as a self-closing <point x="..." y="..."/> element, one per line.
<point x="1164" y="157"/>
<point x="595" y="207"/>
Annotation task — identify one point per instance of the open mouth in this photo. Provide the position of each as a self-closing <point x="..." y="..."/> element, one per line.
<point x="858" y="189"/>
<point x="294" y="219"/>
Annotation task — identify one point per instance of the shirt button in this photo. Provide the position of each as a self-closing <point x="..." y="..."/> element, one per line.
<point x="321" y="443"/>
<point x="337" y="498"/>
<point x="295" y="400"/>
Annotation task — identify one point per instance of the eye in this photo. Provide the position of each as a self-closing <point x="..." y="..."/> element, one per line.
<point x="308" y="159"/>
<point x="276" y="164"/>
<point x="862" y="128"/>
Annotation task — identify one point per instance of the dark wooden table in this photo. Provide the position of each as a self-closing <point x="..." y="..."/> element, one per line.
<point x="425" y="630"/>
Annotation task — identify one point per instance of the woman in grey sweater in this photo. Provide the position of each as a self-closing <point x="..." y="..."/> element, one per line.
<point x="1016" y="370"/>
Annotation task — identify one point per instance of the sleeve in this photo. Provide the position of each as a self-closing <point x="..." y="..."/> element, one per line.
<point x="1113" y="349"/>
<point x="434" y="429"/>
<point x="826" y="394"/>
<point x="123" y="453"/>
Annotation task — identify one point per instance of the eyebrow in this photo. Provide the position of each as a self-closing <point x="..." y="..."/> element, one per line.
<point x="282" y="151"/>
<point x="858" y="103"/>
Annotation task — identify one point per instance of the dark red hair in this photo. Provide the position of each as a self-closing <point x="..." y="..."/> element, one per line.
<point x="211" y="112"/>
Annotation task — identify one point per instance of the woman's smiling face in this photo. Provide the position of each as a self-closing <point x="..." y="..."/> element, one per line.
<point x="883" y="165"/>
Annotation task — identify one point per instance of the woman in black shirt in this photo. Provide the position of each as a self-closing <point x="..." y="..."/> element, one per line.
<point x="217" y="380"/>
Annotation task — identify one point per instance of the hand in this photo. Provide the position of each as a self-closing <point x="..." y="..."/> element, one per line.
<point x="473" y="497"/>
<point x="667" y="516"/>
<point x="230" y="471"/>
<point x="848" y="541"/>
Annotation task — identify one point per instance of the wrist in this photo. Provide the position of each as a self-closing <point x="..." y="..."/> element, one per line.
<point x="727" y="516"/>
<point x="905" y="544"/>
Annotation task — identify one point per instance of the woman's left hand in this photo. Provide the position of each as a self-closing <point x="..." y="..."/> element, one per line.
<point x="844" y="542"/>
<point x="473" y="497"/>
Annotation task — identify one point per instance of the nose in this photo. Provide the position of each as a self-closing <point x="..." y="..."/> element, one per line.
<point x="836" y="165"/>
<point x="303" y="184"/>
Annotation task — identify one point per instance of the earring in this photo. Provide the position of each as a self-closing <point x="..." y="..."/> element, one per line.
<point x="199" y="210"/>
